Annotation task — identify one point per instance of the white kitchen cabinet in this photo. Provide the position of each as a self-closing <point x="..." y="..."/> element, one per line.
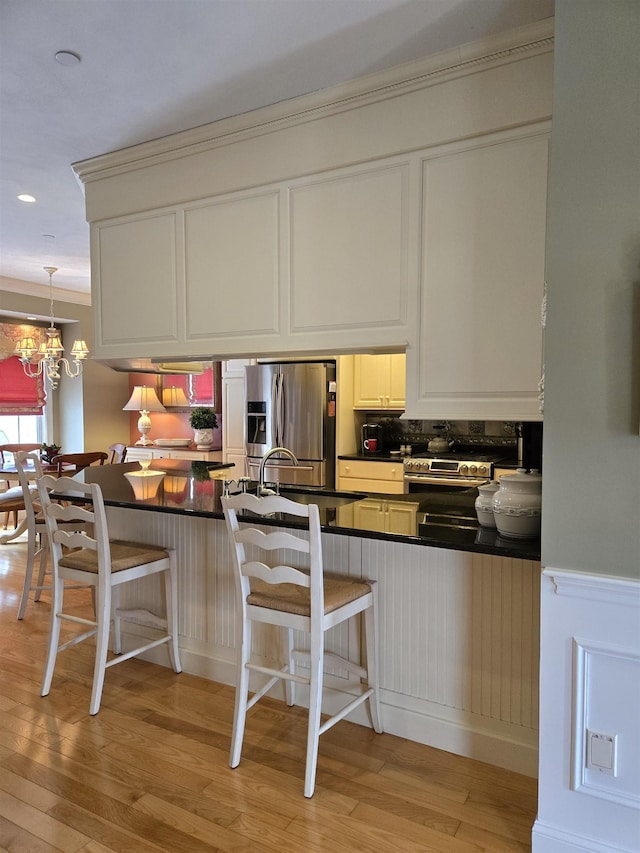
<point x="386" y="516"/>
<point x="135" y="454"/>
<point x="478" y="353"/>
<point x="131" y="319"/>
<point x="348" y="254"/>
<point x="379" y="382"/>
<point x="233" y="416"/>
<point x="304" y="286"/>
<point x="361" y="475"/>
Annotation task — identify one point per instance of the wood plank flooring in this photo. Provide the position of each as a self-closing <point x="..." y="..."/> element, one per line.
<point x="149" y="772"/>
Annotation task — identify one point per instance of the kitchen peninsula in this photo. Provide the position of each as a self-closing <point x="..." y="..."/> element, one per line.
<point x="458" y="618"/>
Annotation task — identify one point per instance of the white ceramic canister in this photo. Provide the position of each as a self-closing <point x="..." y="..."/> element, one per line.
<point x="517" y="505"/>
<point x="484" y="503"/>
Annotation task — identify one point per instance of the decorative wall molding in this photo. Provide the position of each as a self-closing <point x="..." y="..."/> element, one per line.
<point x="610" y="590"/>
<point x="584" y="654"/>
<point x="527" y="41"/>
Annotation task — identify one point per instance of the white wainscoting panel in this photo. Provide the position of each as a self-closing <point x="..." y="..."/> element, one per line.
<point x="458" y="632"/>
<point x="590" y="679"/>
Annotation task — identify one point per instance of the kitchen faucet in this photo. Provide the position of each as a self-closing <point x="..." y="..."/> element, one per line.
<point x="262" y="490"/>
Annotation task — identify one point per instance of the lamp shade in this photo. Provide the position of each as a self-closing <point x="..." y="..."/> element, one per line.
<point x="174" y="397"/>
<point x="143" y="399"/>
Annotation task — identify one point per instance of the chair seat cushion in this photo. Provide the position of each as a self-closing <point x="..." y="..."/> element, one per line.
<point x="124" y="555"/>
<point x="290" y="598"/>
<point x="14" y="494"/>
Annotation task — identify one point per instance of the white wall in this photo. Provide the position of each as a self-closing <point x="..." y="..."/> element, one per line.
<point x="590" y="600"/>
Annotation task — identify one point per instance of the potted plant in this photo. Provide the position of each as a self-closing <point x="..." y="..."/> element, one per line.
<point x="203" y="421"/>
<point x="48" y="451"/>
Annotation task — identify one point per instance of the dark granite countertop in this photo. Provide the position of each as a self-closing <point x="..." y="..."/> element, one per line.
<point x="194" y="488"/>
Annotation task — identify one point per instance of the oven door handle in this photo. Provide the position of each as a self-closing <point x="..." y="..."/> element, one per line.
<point x="428" y="480"/>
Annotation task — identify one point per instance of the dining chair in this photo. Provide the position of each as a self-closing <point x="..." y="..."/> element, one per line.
<point x="10" y="497"/>
<point x="299" y="599"/>
<point x="92" y="558"/>
<point x="70" y="463"/>
<point x="37" y="540"/>
<point x="118" y="453"/>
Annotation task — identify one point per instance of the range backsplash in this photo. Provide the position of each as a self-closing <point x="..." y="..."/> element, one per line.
<point x="486" y="433"/>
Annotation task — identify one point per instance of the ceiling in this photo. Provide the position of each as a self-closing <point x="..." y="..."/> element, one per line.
<point x="149" y="68"/>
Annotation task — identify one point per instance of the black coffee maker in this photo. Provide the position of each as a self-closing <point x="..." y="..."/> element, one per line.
<point x="371" y="439"/>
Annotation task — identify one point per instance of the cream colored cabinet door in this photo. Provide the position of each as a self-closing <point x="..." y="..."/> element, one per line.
<point x="379" y="382"/>
<point x="233" y="418"/>
<point x="131" y="320"/>
<point x="348" y="235"/>
<point x="397" y="380"/>
<point x="479" y="347"/>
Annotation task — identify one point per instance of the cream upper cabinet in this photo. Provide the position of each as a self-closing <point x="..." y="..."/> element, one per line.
<point x="348" y="255"/>
<point x="133" y="319"/>
<point x="478" y="353"/>
<point x="379" y="381"/>
<point x="301" y="266"/>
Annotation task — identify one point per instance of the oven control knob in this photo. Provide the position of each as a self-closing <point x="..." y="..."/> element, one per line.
<point x="482" y="469"/>
<point x="473" y="469"/>
<point x="409" y="465"/>
<point x="464" y="469"/>
<point x="424" y="466"/>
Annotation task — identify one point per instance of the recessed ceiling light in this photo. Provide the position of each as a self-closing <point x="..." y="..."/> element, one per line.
<point x="26" y="197"/>
<point x="67" y="57"/>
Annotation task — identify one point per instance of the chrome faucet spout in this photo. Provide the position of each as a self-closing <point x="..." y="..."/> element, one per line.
<point x="262" y="490"/>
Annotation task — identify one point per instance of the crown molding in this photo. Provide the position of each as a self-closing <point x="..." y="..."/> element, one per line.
<point x="511" y="46"/>
<point x="30" y="288"/>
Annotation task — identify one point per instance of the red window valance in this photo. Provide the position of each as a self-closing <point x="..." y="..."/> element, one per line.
<point x="19" y="393"/>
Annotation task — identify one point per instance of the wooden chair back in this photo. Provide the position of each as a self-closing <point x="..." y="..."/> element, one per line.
<point x="79" y="461"/>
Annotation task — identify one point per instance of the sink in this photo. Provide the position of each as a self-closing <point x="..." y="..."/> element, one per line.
<point x="321" y="497"/>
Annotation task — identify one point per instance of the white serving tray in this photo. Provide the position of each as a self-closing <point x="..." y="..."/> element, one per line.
<point x="172" y="442"/>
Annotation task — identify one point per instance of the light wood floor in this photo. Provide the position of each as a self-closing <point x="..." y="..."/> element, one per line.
<point x="149" y="772"/>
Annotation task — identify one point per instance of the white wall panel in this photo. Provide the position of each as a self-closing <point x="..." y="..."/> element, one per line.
<point x="458" y="632"/>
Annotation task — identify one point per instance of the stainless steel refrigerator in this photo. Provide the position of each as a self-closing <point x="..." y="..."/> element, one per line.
<point x="292" y="404"/>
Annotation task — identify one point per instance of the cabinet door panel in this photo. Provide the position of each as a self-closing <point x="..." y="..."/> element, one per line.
<point x="370" y="381"/>
<point x="233" y="415"/>
<point x="129" y="252"/>
<point x="231" y="257"/>
<point x="397" y="380"/>
<point x="480" y="345"/>
<point x="348" y="251"/>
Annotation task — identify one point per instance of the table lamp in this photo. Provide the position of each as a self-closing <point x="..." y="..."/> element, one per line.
<point x="174" y="397"/>
<point x="143" y="399"/>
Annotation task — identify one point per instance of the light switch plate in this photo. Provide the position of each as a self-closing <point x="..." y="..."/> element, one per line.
<point x="602" y="752"/>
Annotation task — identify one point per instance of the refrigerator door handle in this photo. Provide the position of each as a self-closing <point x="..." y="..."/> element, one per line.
<point x="274" y="407"/>
<point x="282" y="409"/>
<point x="278" y="407"/>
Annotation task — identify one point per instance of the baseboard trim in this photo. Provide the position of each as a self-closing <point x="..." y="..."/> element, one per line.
<point x="551" y="839"/>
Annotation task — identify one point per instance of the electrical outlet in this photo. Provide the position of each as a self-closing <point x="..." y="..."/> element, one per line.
<point x="602" y="752"/>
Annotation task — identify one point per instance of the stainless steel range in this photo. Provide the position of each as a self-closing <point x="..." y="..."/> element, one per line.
<point x="461" y="469"/>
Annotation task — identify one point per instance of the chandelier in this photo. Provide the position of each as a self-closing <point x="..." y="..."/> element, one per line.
<point x="49" y="359"/>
